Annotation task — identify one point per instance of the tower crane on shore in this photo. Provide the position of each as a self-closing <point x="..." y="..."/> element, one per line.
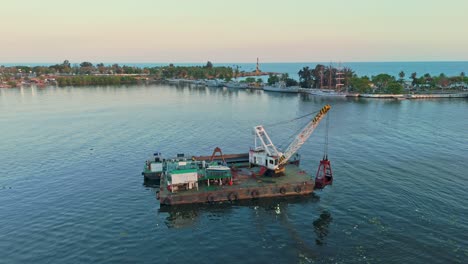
<point x="267" y="155"/>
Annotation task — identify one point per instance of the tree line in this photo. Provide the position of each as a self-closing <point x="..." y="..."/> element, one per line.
<point x="320" y="76"/>
<point x="161" y="72"/>
<point x="83" y="80"/>
<point x="345" y="78"/>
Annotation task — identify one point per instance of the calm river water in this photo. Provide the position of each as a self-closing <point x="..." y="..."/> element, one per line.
<point x="71" y="189"/>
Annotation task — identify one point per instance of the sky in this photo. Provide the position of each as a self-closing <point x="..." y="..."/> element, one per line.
<point x="233" y="31"/>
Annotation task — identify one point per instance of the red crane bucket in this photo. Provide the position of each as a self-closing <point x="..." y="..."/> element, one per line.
<point x="324" y="175"/>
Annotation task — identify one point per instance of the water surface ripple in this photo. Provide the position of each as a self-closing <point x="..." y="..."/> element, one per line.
<point x="71" y="189"/>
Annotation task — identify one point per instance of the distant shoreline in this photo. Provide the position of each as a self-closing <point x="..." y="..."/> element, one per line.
<point x="403" y="96"/>
<point x="340" y="79"/>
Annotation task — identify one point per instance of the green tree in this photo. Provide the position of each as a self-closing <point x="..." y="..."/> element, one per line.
<point x="360" y="84"/>
<point x="394" y="88"/>
<point x="86" y="67"/>
<point x="382" y="80"/>
<point x="66" y="63"/>
<point x="462" y="76"/>
<point x="236" y="72"/>
<point x="101" y="68"/>
<point x="66" y="67"/>
<point x="402" y="76"/>
<point x="209" y="65"/>
<point x="305" y="77"/>
<point x="290" y="82"/>
<point x="414" y="78"/>
<point x="348" y="74"/>
<point x="250" y="80"/>
<point x="318" y="75"/>
<point x="442" y="81"/>
<point x="329" y="76"/>
<point x="86" y="64"/>
<point x="272" y="79"/>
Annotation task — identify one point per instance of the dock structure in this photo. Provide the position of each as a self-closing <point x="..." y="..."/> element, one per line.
<point x="247" y="183"/>
<point x="431" y="96"/>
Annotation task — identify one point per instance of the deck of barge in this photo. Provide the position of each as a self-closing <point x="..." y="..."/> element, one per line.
<point x="245" y="185"/>
<point x="229" y="158"/>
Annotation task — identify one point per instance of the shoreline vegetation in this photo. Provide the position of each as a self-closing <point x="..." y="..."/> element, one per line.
<point x="339" y="79"/>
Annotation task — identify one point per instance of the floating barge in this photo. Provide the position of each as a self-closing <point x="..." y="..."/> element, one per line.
<point x="263" y="172"/>
<point x="240" y="182"/>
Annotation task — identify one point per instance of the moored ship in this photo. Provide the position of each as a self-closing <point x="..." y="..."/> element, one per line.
<point x="265" y="171"/>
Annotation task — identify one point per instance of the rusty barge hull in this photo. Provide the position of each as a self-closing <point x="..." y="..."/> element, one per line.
<point x="246" y="186"/>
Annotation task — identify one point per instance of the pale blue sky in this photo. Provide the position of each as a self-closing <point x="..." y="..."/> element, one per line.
<point x="233" y="31"/>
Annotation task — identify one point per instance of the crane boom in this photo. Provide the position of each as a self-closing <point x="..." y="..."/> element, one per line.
<point x="302" y="137"/>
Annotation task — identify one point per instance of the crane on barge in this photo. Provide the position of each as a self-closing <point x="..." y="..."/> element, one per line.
<point x="269" y="157"/>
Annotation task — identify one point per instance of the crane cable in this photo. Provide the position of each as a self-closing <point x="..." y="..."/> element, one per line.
<point x="287" y="140"/>
<point x="325" y="148"/>
<point x="291" y="120"/>
<point x="291" y="137"/>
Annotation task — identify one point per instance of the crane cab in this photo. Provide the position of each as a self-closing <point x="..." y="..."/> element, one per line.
<point x="259" y="157"/>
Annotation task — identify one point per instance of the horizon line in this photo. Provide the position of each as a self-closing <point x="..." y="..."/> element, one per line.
<point x="229" y="62"/>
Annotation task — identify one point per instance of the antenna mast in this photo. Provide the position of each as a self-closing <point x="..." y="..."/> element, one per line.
<point x="257" y="70"/>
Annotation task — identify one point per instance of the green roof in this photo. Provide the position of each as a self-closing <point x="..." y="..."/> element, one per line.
<point x="217" y="174"/>
<point x="183" y="171"/>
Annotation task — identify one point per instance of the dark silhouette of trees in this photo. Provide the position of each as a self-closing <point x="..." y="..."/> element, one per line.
<point x="86" y="64"/>
<point x="305" y="77"/>
<point x="414" y="78"/>
<point x="402" y="76"/>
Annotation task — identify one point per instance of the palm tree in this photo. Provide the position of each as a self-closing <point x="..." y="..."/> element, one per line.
<point x="348" y="74"/>
<point x="305" y="76"/>
<point x="330" y="76"/>
<point x="413" y="77"/>
<point x="401" y="75"/>
<point x="317" y="75"/>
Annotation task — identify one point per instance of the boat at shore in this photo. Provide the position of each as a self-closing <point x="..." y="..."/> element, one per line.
<point x="415" y="96"/>
<point x="236" y="85"/>
<point x="199" y="83"/>
<point x="281" y="87"/>
<point x="444" y="95"/>
<point x="211" y="83"/>
<point x="325" y="92"/>
<point x="174" y="81"/>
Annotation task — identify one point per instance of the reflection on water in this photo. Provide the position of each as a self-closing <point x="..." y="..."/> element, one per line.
<point x="101" y="210"/>
<point x="274" y="206"/>
<point x="321" y="227"/>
